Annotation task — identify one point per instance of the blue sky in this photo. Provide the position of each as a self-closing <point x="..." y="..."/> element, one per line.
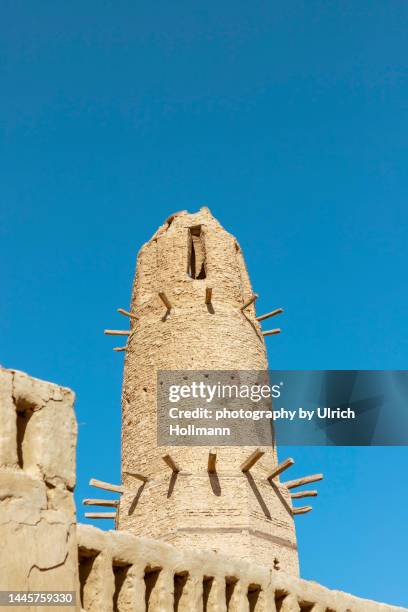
<point x="289" y="120"/>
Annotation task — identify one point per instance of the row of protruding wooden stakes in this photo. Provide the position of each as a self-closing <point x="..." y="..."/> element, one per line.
<point x="208" y="298"/>
<point x="212" y="469"/>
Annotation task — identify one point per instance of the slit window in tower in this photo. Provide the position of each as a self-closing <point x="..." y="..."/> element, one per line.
<point x="196" y="254"/>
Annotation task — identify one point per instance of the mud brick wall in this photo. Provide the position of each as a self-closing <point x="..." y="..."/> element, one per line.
<point x="38" y="431"/>
<point x="121" y="572"/>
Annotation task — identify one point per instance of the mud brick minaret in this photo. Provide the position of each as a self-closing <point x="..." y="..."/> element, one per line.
<point x="187" y="312"/>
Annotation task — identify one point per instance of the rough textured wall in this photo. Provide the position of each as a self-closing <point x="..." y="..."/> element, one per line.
<point x="38" y="548"/>
<point x="240" y="515"/>
<point x="139" y="574"/>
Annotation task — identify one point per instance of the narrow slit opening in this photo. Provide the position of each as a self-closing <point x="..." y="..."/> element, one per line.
<point x="23" y="419"/>
<point x="85" y="566"/>
<point x="254" y="594"/>
<point x="230" y="584"/>
<point x="180" y="581"/>
<point x="196" y="254"/>
<point x="207" y="586"/>
<point x="279" y="599"/>
<point x="150" y="578"/>
<point x="120" y="573"/>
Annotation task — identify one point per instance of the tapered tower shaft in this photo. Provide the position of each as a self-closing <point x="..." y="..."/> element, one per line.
<point x="190" y="286"/>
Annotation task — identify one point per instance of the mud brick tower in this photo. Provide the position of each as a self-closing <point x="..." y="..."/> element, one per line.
<point x="189" y="312"/>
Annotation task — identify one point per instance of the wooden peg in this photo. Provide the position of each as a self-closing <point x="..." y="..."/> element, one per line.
<point x="281" y="468"/>
<point x="212" y="460"/>
<point x="106" y="486"/>
<point x="116" y="332"/>
<point x="252" y="459"/>
<point x="254" y="297"/>
<point x="302" y="510"/>
<point x="270" y="314"/>
<point x="301" y="494"/>
<point x="168" y="459"/>
<point x="271" y="332"/>
<point x="208" y="295"/>
<point x="119" y="349"/>
<point x="127" y="314"/>
<point x="165" y="300"/>
<point x="100" y="515"/>
<point x="101" y="502"/>
<point x="292" y="484"/>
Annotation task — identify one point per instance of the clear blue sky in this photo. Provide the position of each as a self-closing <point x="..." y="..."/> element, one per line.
<point x="289" y="120"/>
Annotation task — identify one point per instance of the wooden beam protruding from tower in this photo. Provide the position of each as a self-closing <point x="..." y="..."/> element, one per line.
<point x="254" y="297"/>
<point x="208" y="295"/>
<point x="165" y="300"/>
<point x="106" y="486"/>
<point x="252" y="459"/>
<point x="119" y="349"/>
<point x="100" y="515"/>
<point x="116" y="332"/>
<point x="168" y="459"/>
<point x="272" y="332"/>
<point x="281" y="467"/>
<point x="212" y="461"/>
<point x="127" y="314"/>
<point x="302" y="510"/>
<point x="301" y="494"/>
<point x="101" y="502"/>
<point x="291" y="484"/>
<point x="273" y="313"/>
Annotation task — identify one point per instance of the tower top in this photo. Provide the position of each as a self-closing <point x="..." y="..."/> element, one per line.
<point x="184" y="218"/>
